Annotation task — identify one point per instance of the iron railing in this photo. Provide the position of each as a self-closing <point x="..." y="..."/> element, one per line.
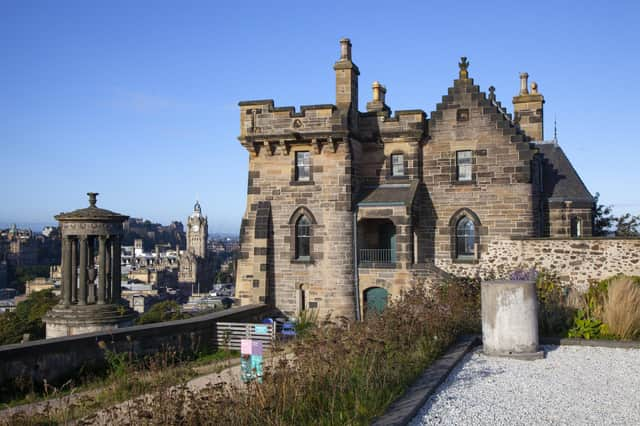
<point x="377" y="256"/>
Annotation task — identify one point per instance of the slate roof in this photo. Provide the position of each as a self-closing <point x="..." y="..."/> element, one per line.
<point x="561" y="182"/>
<point x="389" y="194"/>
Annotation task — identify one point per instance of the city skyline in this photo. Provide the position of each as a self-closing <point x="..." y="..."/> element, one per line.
<point x="106" y="99"/>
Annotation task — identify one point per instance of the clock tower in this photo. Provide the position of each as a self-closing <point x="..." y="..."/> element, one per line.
<point x="197" y="232"/>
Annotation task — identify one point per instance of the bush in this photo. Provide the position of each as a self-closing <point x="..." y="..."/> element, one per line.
<point x="27" y="318"/>
<point x="621" y="309"/>
<point x="555" y="314"/>
<point x="343" y="372"/>
<point x="168" y="310"/>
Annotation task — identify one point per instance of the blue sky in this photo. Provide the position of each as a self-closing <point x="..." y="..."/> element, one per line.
<point x="138" y="100"/>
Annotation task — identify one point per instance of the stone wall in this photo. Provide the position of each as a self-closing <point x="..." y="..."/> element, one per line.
<point x="576" y="261"/>
<point x="60" y="358"/>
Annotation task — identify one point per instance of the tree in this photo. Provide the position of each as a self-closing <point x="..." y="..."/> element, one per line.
<point x="603" y="217"/>
<point x="168" y="310"/>
<point x="628" y="225"/>
<point x="27" y="318"/>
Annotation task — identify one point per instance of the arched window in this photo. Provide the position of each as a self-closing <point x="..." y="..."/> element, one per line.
<point x="465" y="238"/>
<point x="303" y="238"/>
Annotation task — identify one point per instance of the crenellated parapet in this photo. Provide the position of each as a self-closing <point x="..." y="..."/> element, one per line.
<point x="269" y="130"/>
<point x="381" y="125"/>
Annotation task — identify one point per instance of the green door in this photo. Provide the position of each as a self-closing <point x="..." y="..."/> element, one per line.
<point x="375" y="300"/>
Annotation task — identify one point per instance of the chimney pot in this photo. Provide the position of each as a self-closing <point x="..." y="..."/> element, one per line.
<point x="524" y="77"/>
<point x="345" y="49"/>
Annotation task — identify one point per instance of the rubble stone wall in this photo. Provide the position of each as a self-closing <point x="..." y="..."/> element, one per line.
<point x="576" y="261"/>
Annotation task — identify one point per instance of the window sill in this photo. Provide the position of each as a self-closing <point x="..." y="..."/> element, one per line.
<point x="301" y="182"/>
<point x="303" y="261"/>
<point x="464" y="182"/>
<point x="467" y="260"/>
<point x="403" y="177"/>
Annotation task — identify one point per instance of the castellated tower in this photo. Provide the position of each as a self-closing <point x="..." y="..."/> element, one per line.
<point x="297" y="231"/>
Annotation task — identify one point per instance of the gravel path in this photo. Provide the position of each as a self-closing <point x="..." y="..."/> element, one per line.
<point x="573" y="385"/>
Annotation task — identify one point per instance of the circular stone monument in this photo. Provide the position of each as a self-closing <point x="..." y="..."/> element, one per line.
<point x="510" y="319"/>
<point x="88" y="305"/>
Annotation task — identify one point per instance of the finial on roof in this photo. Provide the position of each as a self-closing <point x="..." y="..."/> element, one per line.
<point x="555" y="131"/>
<point x="534" y="88"/>
<point x="492" y="93"/>
<point x="93" y="198"/>
<point x="464" y="65"/>
<point x="196" y="207"/>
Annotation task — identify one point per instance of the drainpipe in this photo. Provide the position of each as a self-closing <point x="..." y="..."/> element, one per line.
<point x="355" y="262"/>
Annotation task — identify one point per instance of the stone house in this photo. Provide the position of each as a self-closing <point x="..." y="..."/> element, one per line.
<point x="346" y="207"/>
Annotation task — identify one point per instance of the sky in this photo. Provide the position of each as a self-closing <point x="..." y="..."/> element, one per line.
<point x="139" y="100"/>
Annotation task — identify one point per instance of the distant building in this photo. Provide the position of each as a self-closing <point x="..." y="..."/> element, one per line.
<point x="195" y="264"/>
<point x="39" y="284"/>
<point x="19" y="246"/>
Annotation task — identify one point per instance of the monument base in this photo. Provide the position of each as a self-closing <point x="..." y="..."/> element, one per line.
<point x="80" y="319"/>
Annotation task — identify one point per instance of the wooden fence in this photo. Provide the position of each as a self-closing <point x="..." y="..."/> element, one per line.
<point x="229" y="334"/>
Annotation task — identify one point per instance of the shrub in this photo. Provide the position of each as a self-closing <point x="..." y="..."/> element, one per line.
<point x="27" y="318"/>
<point x="621" y="308"/>
<point x="168" y="310"/>
<point x="343" y="371"/>
<point x="554" y="312"/>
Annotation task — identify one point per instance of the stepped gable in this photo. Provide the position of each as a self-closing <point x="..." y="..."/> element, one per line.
<point x="464" y="93"/>
<point x="561" y="181"/>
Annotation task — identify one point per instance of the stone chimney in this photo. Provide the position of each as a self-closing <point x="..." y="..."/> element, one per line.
<point x="377" y="104"/>
<point x="528" y="109"/>
<point x="346" y="80"/>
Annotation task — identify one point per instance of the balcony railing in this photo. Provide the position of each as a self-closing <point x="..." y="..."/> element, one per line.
<point x="377" y="256"/>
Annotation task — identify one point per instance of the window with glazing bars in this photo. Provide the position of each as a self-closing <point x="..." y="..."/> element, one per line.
<point x="464" y="165"/>
<point x="303" y="238"/>
<point x="397" y="165"/>
<point x="303" y="166"/>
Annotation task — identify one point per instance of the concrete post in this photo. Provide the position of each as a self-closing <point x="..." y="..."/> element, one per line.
<point x="102" y="266"/>
<point x="82" y="285"/>
<point x="510" y="319"/>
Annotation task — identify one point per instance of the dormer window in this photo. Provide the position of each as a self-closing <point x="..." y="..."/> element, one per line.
<point x="303" y="166"/>
<point x="397" y="165"/>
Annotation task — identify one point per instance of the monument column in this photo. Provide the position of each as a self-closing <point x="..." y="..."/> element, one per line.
<point x="66" y="270"/>
<point x="107" y="271"/>
<point x="82" y="285"/>
<point x="102" y="268"/>
<point x="74" y="270"/>
<point x="116" y="279"/>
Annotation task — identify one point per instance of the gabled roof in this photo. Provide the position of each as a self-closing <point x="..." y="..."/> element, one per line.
<point x="561" y="182"/>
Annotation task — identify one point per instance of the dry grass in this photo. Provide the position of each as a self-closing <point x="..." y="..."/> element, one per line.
<point x="621" y="309"/>
<point x="344" y="372"/>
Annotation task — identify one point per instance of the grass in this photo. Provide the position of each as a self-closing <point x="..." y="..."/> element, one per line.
<point x="343" y="372"/>
<point x="122" y="381"/>
<point x="621" y="309"/>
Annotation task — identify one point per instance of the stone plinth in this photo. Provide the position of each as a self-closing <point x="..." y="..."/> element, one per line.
<point x="510" y="319"/>
<point x="71" y="320"/>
